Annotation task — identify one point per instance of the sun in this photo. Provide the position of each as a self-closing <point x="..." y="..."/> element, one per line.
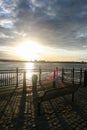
<point x="29" y="50"/>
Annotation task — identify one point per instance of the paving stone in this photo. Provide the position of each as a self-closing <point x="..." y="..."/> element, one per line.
<point x="57" y="114"/>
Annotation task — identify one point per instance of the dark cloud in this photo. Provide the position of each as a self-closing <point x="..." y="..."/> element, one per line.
<point x="58" y="23"/>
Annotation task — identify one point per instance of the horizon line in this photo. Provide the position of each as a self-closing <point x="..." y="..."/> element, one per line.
<point x="11" y="60"/>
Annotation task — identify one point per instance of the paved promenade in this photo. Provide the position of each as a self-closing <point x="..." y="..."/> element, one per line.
<point x="18" y="111"/>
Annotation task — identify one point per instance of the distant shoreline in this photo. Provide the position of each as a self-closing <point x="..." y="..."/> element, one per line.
<point x="6" y="60"/>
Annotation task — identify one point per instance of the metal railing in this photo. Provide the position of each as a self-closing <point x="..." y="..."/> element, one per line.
<point x="16" y="76"/>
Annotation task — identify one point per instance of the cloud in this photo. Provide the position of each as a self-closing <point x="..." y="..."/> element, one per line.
<point x="58" y="23"/>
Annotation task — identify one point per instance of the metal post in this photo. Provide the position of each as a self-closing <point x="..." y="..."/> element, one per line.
<point x="16" y="77"/>
<point x="54" y="83"/>
<point x="24" y="79"/>
<point x="40" y="75"/>
<point x="62" y="74"/>
<point x="85" y="78"/>
<point x="34" y="90"/>
<point x="73" y="76"/>
<point x="81" y="76"/>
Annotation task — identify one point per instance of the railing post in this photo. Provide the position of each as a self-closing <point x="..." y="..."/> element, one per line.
<point x="73" y="76"/>
<point x="3" y="83"/>
<point x="16" y="77"/>
<point x="54" y="82"/>
<point x="81" y="76"/>
<point x="34" y="90"/>
<point x="5" y="77"/>
<point x="85" y="78"/>
<point x="1" y="78"/>
<point x="62" y="74"/>
<point x="40" y="75"/>
<point x="24" y="79"/>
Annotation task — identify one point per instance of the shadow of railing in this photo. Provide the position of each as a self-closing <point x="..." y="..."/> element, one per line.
<point x="21" y="113"/>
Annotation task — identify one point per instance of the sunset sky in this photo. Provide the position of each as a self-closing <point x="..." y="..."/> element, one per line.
<point x="52" y="30"/>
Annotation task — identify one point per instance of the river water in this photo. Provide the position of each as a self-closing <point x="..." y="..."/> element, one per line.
<point x="47" y="68"/>
<point x="31" y="65"/>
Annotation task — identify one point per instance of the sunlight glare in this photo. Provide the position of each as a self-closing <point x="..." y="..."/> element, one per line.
<point x="29" y="69"/>
<point x="29" y="50"/>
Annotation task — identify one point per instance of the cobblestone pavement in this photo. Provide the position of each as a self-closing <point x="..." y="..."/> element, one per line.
<point x="18" y="111"/>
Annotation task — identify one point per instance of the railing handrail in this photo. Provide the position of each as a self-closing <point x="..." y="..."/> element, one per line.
<point x="7" y="75"/>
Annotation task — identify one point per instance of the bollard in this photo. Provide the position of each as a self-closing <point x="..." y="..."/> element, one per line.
<point x="34" y="80"/>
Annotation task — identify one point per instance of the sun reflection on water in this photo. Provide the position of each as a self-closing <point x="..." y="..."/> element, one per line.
<point x="29" y="70"/>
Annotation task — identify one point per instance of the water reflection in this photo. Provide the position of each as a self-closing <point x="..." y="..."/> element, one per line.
<point x="29" y="70"/>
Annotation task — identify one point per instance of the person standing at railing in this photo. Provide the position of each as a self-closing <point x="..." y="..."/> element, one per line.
<point x="54" y="76"/>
